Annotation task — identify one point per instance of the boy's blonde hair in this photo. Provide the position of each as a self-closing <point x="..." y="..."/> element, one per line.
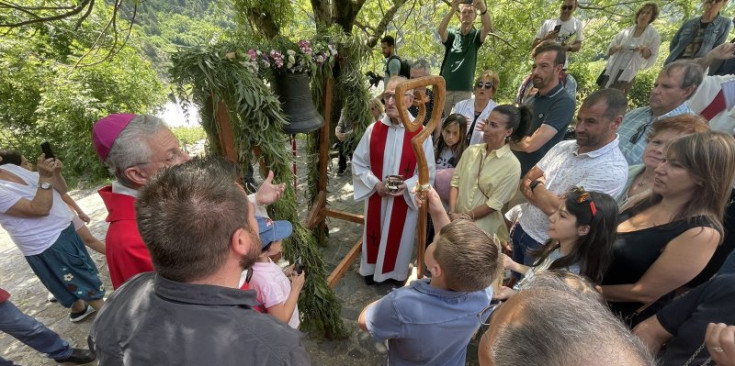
<point x="468" y="256"/>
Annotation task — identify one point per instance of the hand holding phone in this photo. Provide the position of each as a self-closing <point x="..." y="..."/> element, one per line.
<point x="298" y="267"/>
<point x="46" y="149"/>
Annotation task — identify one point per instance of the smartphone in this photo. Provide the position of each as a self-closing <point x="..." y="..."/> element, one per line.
<point x="298" y="267"/>
<point x="46" y="149"/>
<point x="557" y="28"/>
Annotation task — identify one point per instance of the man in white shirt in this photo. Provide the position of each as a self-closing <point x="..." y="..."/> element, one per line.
<point x="566" y="30"/>
<point x="592" y="161"/>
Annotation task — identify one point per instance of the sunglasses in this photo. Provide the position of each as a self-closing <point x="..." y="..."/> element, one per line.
<point x="713" y="1"/>
<point x="487" y="85"/>
<point x="583" y="197"/>
<point x="639" y="133"/>
<point x="569" y="7"/>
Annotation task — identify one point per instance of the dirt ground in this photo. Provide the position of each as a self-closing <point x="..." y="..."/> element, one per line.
<point x="28" y="294"/>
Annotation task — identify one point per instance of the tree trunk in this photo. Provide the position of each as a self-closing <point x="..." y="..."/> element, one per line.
<point x="264" y="22"/>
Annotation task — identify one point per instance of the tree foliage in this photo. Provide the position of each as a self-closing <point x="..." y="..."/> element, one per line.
<point x="46" y="97"/>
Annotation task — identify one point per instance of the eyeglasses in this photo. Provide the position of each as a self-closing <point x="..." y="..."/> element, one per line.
<point x="583" y="197"/>
<point x="484" y="315"/>
<point x="487" y="85"/>
<point x="639" y="133"/>
<point x="389" y="96"/>
<point x="175" y="156"/>
<point x="570" y="7"/>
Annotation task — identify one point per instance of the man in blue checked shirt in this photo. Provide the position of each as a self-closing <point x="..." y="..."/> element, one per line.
<point x="673" y="87"/>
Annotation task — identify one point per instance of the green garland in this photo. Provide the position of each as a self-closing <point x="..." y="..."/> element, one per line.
<point x="215" y="75"/>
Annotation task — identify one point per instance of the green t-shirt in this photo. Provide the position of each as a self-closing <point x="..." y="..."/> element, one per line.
<point x="392" y="67"/>
<point x="460" y="58"/>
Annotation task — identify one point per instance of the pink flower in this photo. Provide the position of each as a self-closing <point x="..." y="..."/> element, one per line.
<point x="277" y="58"/>
<point x="253" y="54"/>
<point x="305" y="46"/>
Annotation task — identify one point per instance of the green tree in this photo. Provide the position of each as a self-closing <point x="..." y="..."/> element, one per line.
<point x="48" y="97"/>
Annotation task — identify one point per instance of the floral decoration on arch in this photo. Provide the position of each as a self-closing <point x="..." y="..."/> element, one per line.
<point x="285" y="56"/>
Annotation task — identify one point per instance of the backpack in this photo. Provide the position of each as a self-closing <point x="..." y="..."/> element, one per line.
<point x="405" y="66"/>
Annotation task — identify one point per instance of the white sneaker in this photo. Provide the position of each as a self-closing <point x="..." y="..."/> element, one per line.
<point x="77" y="317"/>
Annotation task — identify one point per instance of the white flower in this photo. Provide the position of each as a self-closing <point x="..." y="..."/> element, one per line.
<point x="291" y="52"/>
<point x="68" y="277"/>
<point x="291" y="60"/>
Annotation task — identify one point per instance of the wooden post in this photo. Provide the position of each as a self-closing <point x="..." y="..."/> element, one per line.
<point x="345" y="263"/>
<point x="438" y="84"/>
<point x="224" y="125"/>
<point x="324" y="136"/>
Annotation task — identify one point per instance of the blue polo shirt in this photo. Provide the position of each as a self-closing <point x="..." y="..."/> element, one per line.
<point x="555" y="109"/>
<point x="425" y="325"/>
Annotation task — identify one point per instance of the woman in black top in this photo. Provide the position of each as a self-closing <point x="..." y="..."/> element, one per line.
<point x="665" y="240"/>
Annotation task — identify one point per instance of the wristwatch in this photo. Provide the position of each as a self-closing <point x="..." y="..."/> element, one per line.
<point x="45" y="185"/>
<point x="534" y="184"/>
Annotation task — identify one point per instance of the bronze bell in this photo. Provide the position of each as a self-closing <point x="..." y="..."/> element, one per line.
<point x="295" y="96"/>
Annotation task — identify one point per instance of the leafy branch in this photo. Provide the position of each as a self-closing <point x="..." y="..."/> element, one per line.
<point x="222" y="76"/>
<point x="37" y="13"/>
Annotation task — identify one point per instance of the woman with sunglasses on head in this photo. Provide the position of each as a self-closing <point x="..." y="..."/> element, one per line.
<point x="581" y="233"/>
<point x="486" y="177"/>
<point x="665" y="240"/>
<point x="478" y="108"/>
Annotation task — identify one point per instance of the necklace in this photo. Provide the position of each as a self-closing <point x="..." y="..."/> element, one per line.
<point x="695" y="354"/>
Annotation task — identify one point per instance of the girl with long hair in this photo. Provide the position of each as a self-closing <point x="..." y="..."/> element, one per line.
<point x="581" y="235"/>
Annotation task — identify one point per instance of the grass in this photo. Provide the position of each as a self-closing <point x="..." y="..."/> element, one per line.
<point x="189" y="135"/>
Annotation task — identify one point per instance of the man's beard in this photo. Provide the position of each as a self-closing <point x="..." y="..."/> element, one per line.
<point x="249" y="259"/>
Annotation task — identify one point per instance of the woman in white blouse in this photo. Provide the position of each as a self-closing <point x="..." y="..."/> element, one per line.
<point x="478" y="108"/>
<point x="632" y="50"/>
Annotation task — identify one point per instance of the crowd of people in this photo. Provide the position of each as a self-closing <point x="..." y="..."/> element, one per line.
<point x="612" y="247"/>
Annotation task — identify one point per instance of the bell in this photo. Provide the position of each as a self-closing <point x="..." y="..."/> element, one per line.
<point x="295" y="96"/>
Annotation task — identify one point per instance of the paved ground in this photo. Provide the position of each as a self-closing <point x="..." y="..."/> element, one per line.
<point x="358" y="349"/>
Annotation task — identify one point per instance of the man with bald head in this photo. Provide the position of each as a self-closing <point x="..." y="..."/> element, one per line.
<point x="556" y="325"/>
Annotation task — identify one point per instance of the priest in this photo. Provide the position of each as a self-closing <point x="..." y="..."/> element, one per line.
<point x="390" y="212"/>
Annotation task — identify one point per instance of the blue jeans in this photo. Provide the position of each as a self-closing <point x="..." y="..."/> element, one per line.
<point x="522" y="244"/>
<point x="31" y="332"/>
